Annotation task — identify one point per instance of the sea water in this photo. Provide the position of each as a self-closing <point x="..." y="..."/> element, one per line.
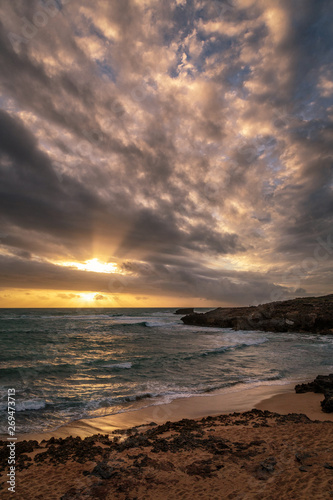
<point x="66" y="364"/>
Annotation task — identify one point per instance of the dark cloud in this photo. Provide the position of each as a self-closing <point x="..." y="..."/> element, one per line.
<point x="21" y="147"/>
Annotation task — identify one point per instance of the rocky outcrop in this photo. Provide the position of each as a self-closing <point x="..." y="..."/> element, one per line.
<point x="186" y="310"/>
<point x="311" y="314"/>
<point x="322" y="384"/>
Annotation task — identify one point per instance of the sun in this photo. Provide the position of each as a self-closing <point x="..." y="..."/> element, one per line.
<point x="93" y="266"/>
<point x="87" y="297"/>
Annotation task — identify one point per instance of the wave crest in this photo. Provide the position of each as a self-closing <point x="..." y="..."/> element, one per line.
<point x="28" y="405"/>
<point x="119" y="366"/>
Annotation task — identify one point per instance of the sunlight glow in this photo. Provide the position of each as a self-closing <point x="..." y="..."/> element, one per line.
<point x="93" y="265"/>
<point x="87" y="297"/>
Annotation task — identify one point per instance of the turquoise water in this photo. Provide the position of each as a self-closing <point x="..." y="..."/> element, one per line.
<point x="67" y="364"/>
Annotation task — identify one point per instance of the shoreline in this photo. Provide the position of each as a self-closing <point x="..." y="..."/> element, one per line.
<point x="280" y="399"/>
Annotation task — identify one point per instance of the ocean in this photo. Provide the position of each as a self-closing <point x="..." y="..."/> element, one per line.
<point x="67" y="364"/>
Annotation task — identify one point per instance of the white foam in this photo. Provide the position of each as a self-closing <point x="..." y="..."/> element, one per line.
<point x="30" y="404"/>
<point x="160" y="323"/>
<point x="128" y="320"/>
<point x="77" y="316"/>
<point x="209" y="329"/>
<point x="124" y="366"/>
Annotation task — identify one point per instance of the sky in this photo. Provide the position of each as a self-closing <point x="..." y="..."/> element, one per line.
<point x="164" y="153"/>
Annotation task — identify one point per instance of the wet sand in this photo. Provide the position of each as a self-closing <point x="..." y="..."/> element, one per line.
<point x="216" y="403"/>
<point x="278" y="398"/>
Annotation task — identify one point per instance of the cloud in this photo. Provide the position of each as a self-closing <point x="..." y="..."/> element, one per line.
<point x="99" y="297"/>
<point x="190" y="142"/>
<point x="68" y="296"/>
<point x="196" y="281"/>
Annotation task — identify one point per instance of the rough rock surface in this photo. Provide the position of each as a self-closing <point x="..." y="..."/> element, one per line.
<point x="322" y="384"/>
<point x="327" y="404"/>
<point x="186" y="310"/>
<point x="103" y="470"/>
<point x="310" y="314"/>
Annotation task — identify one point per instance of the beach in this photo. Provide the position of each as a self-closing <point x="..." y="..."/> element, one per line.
<point x="191" y="448"/>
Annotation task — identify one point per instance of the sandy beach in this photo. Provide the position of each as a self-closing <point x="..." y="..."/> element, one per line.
<point x="190" y="448"/>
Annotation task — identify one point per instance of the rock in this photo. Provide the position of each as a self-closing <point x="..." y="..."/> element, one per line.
<point x="313" y="314"/>
<point x="328" y="466"/>
<point x="304" y="458"/>
<point x="303" y="468"/>
<point x="200" y="468"/>
<point x="321" y="384"/>
<point x="327" y="404"/>
<point x="268" y="464"/>
<point x="71" y="494"/>
<point x="265" y="468"/>
<point x="186" y="310"/>
<point x="103" y="470"/>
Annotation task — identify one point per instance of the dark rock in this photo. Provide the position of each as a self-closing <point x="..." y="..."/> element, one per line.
<point x="328" y="466"/>
<point x="185" y="310"/>
<point x="98" y="492"/>
<point x="327" y="404"/>
<point x="304" y="458"/>
<point x="303" y="468"/>
<point x="103" y="470"/>
<point x="201" y="468"/>
<point x="265" y="468"/>
<point x="149" y="462"/>
<point x="268" y="464"/>
<point x="321" y="384"/>
<point x="314" y="314"/>
<point x="71" y="494"/>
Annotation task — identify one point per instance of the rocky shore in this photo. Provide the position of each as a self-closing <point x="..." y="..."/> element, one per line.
<point x="252" y="455"/>
<point x="310" y="314"/>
